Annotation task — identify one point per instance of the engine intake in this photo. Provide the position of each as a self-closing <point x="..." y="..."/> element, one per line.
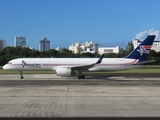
<point x="65" y="72"/>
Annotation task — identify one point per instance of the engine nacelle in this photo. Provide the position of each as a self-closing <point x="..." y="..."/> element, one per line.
<point x="65" y="72"/>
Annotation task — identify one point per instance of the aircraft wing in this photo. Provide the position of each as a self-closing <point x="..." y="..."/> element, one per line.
<point x="146" y="62"/>
<point x="87" y="66"/>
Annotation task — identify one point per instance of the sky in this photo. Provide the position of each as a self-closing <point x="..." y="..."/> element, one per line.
<point x="64" y="22"/>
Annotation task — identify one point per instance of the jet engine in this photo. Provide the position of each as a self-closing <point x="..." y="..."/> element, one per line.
<point x="65" y="72"/>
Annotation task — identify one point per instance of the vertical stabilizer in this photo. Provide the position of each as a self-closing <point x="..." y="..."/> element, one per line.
<point x="142" y="50"/>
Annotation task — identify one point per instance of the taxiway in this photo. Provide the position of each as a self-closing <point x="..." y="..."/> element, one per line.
<point x="51" y="96"/>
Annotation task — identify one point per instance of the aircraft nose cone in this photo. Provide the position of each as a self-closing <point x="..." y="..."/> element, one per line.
<point x="4" y="67"/>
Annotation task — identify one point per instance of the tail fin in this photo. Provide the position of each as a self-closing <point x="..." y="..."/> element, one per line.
<point x="142" y="50"/>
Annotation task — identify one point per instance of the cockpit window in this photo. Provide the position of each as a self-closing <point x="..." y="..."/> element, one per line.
<point x="9" y="63"/>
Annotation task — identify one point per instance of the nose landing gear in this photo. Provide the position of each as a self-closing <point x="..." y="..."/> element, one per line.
<point x="21" y="74"/>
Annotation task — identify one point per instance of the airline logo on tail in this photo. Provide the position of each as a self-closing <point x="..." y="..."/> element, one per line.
<point x="144" y="49"/>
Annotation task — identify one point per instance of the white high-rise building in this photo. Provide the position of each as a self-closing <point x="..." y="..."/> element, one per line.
<point x="44" y="44"/>
<point x="19" y="41"/>
<point x="2" y="44"/>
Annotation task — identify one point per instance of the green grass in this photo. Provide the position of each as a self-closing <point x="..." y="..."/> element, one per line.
<point x="150" y="69"/>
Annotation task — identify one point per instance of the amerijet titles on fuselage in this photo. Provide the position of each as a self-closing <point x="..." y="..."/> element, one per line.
<point x="34" y="65"/>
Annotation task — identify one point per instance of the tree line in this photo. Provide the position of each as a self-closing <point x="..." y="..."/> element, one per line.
<point x="10" y="53"/>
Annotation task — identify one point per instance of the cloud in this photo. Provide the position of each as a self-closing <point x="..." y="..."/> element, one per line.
<point x="144" y="34"/>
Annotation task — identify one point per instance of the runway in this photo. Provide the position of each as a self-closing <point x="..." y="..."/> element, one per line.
<point x="106" y="96"/>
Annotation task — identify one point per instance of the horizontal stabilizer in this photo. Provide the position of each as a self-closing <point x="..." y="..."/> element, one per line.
<point x="146" y="62"/>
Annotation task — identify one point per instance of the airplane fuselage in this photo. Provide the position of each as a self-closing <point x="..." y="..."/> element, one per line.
<point x="108" y="64"/>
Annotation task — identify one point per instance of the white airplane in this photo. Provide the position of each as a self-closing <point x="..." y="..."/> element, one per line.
<point x="71" y="66"/>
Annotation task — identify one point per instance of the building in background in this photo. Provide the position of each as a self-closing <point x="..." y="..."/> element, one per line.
<point x="103" y="50"/>
<point x="136" y="42"/>
<point x="155" y="46"/>
<point x="44" y="44"/>
<point x="84" y="47"/>
<point x="28" y="47"/>
<point x="59" y="49"/>
<point x="2" y="44"/>
<point x="19" y="41"/>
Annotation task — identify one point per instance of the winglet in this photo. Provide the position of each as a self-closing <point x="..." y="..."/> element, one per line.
<point x="100" y="59"/>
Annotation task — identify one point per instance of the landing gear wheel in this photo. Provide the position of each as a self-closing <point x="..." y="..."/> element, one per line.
<point x="21" y="74"/>
<point x="81" y="77"/>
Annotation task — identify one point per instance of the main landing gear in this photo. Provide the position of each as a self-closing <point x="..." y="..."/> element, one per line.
<point x="21" y="74"/>
<point x="80" y="76"/>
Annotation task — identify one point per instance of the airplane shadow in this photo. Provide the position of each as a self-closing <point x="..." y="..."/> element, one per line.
<point x="101" y="77"/>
